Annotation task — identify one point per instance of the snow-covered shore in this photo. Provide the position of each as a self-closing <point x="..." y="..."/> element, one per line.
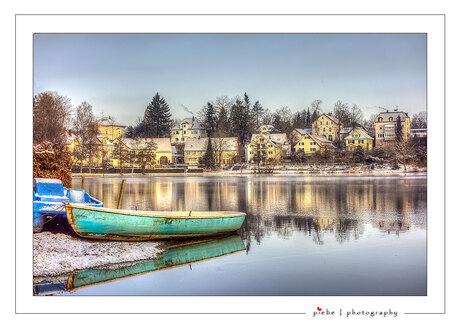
<point x="57" y="254"/>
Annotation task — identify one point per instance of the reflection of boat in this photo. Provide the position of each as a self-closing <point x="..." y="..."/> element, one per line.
<point x="178" y="255"/>
<point x="131" y="225"/>
<point x="49" y="195"/>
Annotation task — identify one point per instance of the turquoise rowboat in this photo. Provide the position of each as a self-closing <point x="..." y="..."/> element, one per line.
<point x="131" y="225"/>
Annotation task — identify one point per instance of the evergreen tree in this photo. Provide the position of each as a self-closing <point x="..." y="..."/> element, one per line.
<point x="398" y="130"/>
<point x="208" y="157"/>
<point x="258" y="111"/>
<point x="223" y="127"/>
<point x="157" y="118"/>
<point x="308" y="119"/>
<point x="241" y="121"/>
<point x="210" y="120"/>
<point x="358" y="154"/>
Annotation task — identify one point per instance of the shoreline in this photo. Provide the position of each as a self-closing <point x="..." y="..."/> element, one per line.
<point x="246" y="172"/>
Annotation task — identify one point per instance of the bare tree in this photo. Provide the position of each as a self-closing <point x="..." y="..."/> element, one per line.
<point x="85" y="128"/>
<point x="418" y="120"/>
<point x="403" y="150"/>
<point x="121" y="154"/>
<point x="342" y="113"/>
<point x="356" y="115"/>
<point x="50" y="115"/>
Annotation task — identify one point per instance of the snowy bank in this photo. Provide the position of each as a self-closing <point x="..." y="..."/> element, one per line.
<point x="57" y="254"/>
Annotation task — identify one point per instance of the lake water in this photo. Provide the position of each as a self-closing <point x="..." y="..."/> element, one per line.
<point x="302" y="236"/>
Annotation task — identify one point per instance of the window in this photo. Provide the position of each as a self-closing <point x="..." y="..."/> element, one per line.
<point x="177" y="139"/>
<point x="380" y="119"/>
<point x="391" y="118"/>
<point x="329" y="137"/>
<point x="312" y="149"/>
<point x="324" y="130"/>
<point x="330" y="129"/>
<point x="327" y="123"/>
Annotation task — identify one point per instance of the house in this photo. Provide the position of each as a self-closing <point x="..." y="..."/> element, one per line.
<point x="310" y="144"/>
<point x="297" y="134"/>
<point x="268" y="147"/>
<point x="385" y="127"/>
<point x="225" y="149"/>
<point x="266" y="129"/>
<point x="358" y="137"/>
<point x="144" y="152"/>
<point x="189" y="127"/>
<point x="327" y="126"/>
<point x="70" y="142"/>
<point x="110" y="128"/>
<point x="96" y="153"/>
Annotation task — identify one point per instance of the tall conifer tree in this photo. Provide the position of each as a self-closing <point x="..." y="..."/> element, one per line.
<point x="157" y="118"/>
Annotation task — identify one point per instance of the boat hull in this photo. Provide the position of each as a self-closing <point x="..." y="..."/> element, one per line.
<point x="102" y="223"/>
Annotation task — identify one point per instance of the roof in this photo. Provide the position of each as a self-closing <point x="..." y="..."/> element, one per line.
<point x="108" y="121"/>
<point x="218" y="143"/>
<point x="321" y="141"/>
<point x="362" y="133"/>
<point x="277" y="138"/>
<point x="303" y="131"/>
<point x="193" y="121"/>
<point x="395" y="114"/>
<point x="330" y="117"/>
<point x="269" y="127"/>
<point x="196" y="144"/>
<point x="345" y="130"/>
<point x="161" y="144"/>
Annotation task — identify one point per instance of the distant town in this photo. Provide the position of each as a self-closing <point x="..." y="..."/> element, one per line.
<point x="228" y="132"/>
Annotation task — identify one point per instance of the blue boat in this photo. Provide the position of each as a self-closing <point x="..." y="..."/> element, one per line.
<point x="49" y="199"/>
<point x="131" y="225"/>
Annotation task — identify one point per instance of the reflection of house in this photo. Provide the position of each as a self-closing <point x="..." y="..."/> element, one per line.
<point x="297" y="134"/>
<point x="394" y="226"/>
<point x="110" y="129"/>
<point x="358" y="137"/>
<point x="310" y="144"/>
<point x="187" y="128"/>
<point x="224" y="149"/>
<point x="385" y="127"/>
<point x="268" y="147"/>
<point x="327" y="126"/>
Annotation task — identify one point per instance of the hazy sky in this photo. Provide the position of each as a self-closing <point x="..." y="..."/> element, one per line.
<point x="120" y="73"/>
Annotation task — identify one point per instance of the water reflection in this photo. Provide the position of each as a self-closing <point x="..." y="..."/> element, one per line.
<point x="278" y="206"/>
<point x="180" y="253"/>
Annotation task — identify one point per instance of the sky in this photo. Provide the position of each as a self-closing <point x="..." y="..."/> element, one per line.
<point x="118" y="74"/>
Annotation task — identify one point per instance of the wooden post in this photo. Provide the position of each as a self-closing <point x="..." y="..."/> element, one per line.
<point x="82" y="182"/>
<point x="120" y="196"/>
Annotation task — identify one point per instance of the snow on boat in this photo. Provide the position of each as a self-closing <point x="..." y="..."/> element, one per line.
<point x="131" y="225"/>
<point x="49" y="198"/>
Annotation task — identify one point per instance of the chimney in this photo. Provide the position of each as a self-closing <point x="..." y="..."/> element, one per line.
<point x="387" y="111"/>
<point x="396" y="110"/>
